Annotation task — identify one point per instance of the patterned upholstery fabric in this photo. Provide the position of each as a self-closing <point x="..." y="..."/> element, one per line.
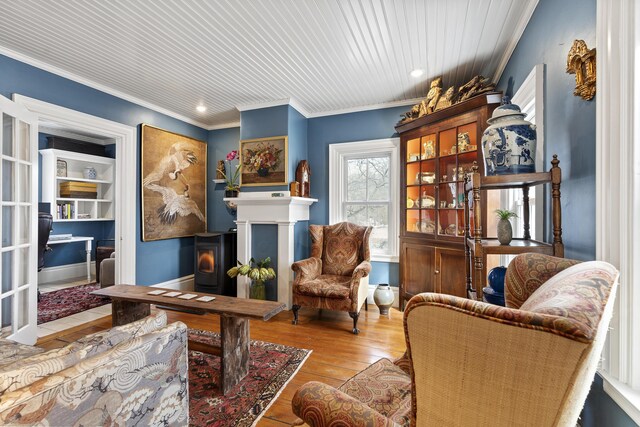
<point x="330" y="278"/>
<point x="326" y="286"/>
<point x="383" y="387"/>
<point x="576" y="294"/>
<point x="542" y="358"/>
<point x="25" y="371"/>
<point x="141" y="381"/>
<point x="11" y="351"/>
<point x="527" y="272"/>
<point x="345" y="245"/>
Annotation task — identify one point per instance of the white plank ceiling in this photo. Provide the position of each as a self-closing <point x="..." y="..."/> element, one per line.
<point x="327" y="55"/>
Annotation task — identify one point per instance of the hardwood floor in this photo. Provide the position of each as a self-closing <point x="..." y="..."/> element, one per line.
<point x="337" y="353"/>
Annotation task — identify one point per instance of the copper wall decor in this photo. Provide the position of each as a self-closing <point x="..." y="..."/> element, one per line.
<point x="581" y="61"/>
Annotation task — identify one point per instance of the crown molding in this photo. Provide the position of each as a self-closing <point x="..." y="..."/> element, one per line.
<point x="98" y="86"/>
<point x="224" y="126"/>
<point x="380" y="106"/>
<point x="266" y="104"/>
<point x="517" y="34"/>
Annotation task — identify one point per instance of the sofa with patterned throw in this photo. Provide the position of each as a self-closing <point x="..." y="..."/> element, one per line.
<point x="135" y="374"/>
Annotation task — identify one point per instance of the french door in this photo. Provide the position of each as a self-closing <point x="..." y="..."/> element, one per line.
<point x="18" y="219"/>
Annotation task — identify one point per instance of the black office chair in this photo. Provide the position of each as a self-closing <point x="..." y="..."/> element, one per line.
<point x="45" y="223"/>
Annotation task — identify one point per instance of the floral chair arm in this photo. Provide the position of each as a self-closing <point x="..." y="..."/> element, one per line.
<point x="307" y="269"/>
<point x="527" y="272"/>
<point x="404" y="363"/>
<point x="362" y="270"/>
<point x="319" y="405"/>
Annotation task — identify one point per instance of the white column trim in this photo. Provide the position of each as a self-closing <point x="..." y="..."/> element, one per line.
<point x="243" y="255"/>
<point x="618" y="189"/>
<point x="286" y="257"/>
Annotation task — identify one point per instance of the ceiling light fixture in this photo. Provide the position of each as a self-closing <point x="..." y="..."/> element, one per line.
<point x="417" y="73"/>
<point x="201" y="108"/>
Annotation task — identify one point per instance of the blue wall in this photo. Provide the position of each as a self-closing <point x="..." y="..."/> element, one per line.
<point x="220" y="142"/>
<point x="157" y="261"/>
<point x="360" y="126"/>
<point x="570" y="125"/>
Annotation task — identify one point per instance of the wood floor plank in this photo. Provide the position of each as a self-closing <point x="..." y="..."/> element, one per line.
<point x="337" y="354"/>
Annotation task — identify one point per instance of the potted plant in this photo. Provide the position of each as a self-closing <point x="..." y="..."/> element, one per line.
<point x="505" y="231"/>
<point x="259" y="272"/>
<point x="232" y="187"/>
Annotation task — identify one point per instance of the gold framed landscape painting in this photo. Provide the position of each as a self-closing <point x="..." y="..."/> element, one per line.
<point x="264" y="161"/>
<point x="174" y="184"/>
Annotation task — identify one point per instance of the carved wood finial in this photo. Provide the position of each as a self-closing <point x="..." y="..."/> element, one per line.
<point x="475" y="166"/>
<point x="555" y="162"/>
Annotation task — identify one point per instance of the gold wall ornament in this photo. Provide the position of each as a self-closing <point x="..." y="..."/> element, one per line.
<point x="581" y="61"/>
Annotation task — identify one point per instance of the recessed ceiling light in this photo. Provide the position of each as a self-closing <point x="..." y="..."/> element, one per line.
<point x="201" y="108"/>
<point x="417" y="73"/>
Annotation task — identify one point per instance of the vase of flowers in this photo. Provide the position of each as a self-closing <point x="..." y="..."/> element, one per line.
<point x="232" y="187"/>
<point x="264" y="159"/>
<point x="258" y="271"/>
<point x="505" y="231"/>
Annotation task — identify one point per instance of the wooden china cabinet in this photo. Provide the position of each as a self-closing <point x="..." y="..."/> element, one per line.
<point x="436" y="151"/>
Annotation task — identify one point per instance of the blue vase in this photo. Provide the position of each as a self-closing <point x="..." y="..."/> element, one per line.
<point x="496" y="279"/>
<point x="263" y="171"/>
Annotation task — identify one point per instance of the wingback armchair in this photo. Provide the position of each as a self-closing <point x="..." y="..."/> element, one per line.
<point x="336" y="276"/>
<point x="472" y="363"/>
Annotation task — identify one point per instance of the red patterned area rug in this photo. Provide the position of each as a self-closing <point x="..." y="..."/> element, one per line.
<point x="271" y="367"/>
<point x="65" y="302"/>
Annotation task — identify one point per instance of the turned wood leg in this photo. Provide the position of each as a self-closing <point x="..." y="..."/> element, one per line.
<point x="234" y="340"/>
<point x="366" y="305"/>
<point x="295" y="309"/>
<point x="123" y="312"/>
<point x="354" y="315"/>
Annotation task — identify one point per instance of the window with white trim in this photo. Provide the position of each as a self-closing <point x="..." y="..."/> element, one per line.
<point x="363" y="189"/>
<point x="618" y="192"/>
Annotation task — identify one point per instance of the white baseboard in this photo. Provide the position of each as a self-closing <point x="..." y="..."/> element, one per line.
<point x="396" y="294"/>
<point x="184" y="283"/>
<point x="65" y="272"/>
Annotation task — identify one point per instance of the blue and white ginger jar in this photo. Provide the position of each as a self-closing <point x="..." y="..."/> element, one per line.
<point x="509" y="143"/>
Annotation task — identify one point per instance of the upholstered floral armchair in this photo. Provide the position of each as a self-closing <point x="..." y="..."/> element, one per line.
<point x="472" y="363"/>
<point x="336" y="277"/>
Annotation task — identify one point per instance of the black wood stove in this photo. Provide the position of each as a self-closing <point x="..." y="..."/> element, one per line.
<point x="215" y="254"/>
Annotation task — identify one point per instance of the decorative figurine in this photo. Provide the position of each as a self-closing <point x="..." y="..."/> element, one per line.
<point x="581" y="61"/>
<point x="476" y="86"/>
<point x="446" y="100"/>
<point x="463" y="142"/>
<point x="303" y="176"/>
<point x="433" y="96"/>
<point x="220" y="170"/>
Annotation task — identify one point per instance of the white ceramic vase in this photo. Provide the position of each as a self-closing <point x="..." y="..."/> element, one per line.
<point x="383" y="297"/>
<point x="509" y="143"/>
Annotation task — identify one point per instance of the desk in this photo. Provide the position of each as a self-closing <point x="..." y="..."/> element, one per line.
<point x="87" y="247"/>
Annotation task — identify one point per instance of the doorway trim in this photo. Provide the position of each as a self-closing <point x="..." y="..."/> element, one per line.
<point x="126" y="166"/>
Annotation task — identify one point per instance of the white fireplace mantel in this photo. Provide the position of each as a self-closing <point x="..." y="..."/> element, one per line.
<point x="261" y="207"/>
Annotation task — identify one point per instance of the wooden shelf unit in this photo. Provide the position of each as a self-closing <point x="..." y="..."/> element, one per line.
<point x="434" y="152"/>
<point x="101" y="208"/>
<point x="478" y="247"/>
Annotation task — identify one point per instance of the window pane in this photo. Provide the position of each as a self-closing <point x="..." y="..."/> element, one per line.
<point x="379" y="220"/>
<point x="356" y="214"/>
<point x="356" y="180"/>
<point x="6" y="308"/>
<point x="378" y="179"/>
<point x="7" y="135"/>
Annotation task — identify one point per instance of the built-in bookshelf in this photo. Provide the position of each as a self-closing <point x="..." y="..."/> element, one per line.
<point x="59" y="167"/>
